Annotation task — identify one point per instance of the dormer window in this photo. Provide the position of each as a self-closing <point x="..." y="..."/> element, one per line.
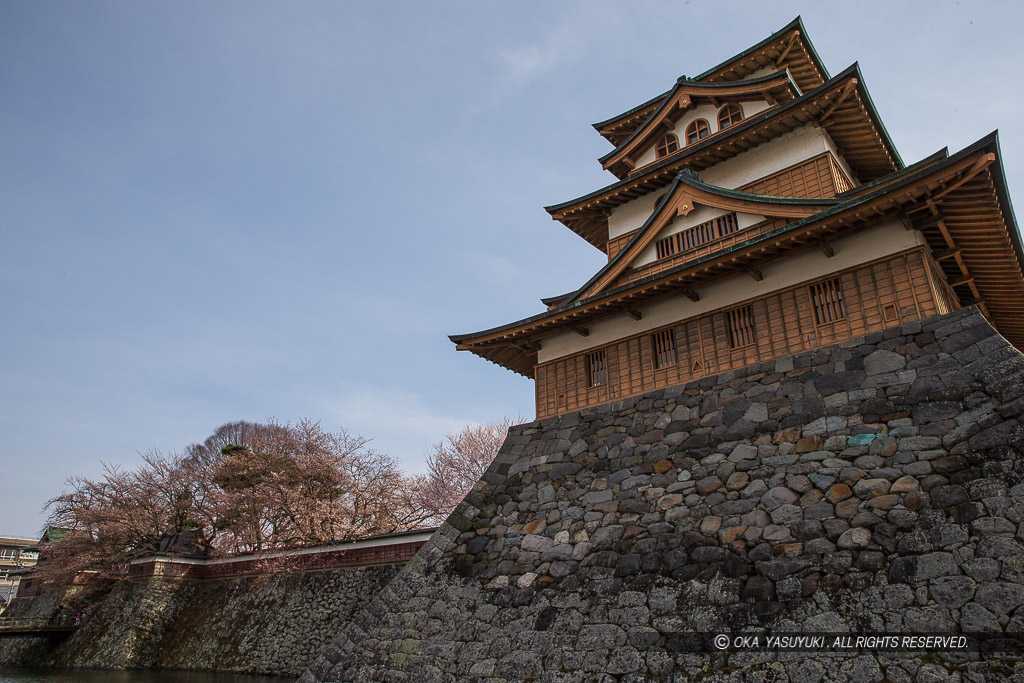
<point x="697" y="131"/>
<point x="667" y="145"/>
<point x="729" y="115"/>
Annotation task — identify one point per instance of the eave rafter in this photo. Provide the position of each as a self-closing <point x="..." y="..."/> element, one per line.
<point x="780" y="60"/>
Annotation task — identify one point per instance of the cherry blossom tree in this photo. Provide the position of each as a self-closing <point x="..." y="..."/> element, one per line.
<point x="456" y="463"/>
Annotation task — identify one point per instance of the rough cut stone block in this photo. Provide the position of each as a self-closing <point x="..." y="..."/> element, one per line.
<point x="854" y="539"/>
<point x="934" y="565"/>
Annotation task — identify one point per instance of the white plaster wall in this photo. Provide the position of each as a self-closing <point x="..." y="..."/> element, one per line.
<point x="775" y="155"/>
<point x="631" y="215"/>
<point x="862" y="247"/>
<point x="650" y="156"/>
<point x="696" y="217"/>
<point x="751" y="109"/>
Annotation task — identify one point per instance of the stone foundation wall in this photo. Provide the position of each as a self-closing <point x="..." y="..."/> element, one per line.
<point x="268" y="625"/>
<point x="870" y="486"/>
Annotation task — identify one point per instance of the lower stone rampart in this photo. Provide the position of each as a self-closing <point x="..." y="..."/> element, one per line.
<point x="873" y="486"/>
<point x="251" y="624"/>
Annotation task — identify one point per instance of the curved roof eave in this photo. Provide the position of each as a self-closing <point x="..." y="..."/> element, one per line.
<point x="626" y="114"/>
<point x="797" y="24"/>
<point x="929" y="160"/>
<point x="1004" y="198"/>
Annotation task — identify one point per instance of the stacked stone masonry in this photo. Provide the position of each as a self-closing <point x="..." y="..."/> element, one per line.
<point x="270" y="624"/>
<point x="874" y="485"/>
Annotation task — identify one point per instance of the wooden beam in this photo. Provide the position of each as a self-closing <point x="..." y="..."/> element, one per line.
<point x="839" y="100"/>
<point x="691" y="294"/>
<point x="580" y="330"/>
<point x="826" y="249"/>
<point x="980" y="165"/>
<point x="756" y="274"/>
<point x="946" y="254"/>
<point x="972" y="302"/>
<point x="789" y="46"/>
<point x="633" y="313"/>
<point x="962" y="280"/>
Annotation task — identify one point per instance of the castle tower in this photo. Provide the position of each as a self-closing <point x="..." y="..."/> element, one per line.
<point x="764" y="414"/>
<point x="761" y="210"/>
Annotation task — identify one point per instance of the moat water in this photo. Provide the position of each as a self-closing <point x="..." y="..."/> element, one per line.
<point x="18" y="675"/>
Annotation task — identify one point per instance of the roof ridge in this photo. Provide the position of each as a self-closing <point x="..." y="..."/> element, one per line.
<point x="796" y="23"/>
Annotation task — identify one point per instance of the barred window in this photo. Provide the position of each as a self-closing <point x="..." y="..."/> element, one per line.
<point x="729" y="115"/>
<point x="827" y="302"/>
<point x="667" y="145"/>
<point x="663" y="345"/>
<point x="741" y="327"/>
<point x="697" y="131"/>
<point x="597" y="368"/>
<point x="667" y="246"/>
<point x="726" y="224"/>
<point x="697" y="235"/>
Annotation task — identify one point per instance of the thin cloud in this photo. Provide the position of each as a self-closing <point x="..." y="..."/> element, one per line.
<point x="520" y="65"/>
<point x="527" y="62"/>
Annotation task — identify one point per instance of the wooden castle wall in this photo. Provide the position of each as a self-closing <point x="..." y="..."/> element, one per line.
<point x="819" y="176"/>
<point x="881" y="294"/>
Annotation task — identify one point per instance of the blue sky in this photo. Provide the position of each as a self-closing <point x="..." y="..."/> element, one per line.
<point x="243" y="210"/>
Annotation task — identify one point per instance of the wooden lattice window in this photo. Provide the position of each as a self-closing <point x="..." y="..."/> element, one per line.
<point x="597" y="368"/>
<point x="664" y="346"/>
<point x="729" y="115"/>
<point x="667" y="246"/>
<point x="726" y="224"/>
<point x="741" y="327"/>
<point x="827" y="302"/>
<point x="697" y="235"/>
<point x="697" y="131"/>
<point x="667" y="145"/>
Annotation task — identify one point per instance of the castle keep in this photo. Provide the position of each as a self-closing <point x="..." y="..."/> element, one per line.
<point x="792" y="402"/>
<point x="760" y="211"/>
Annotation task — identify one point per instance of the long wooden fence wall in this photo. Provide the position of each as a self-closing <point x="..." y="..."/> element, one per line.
<point x="881" y="294"/>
